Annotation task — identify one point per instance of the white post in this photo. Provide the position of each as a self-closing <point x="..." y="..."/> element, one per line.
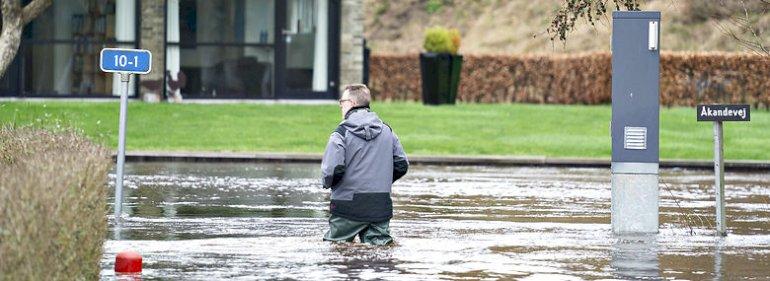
<point x="124" y="79"/>
<point x="719" y="178"/>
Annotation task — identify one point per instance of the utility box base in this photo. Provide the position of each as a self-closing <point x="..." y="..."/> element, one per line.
<point x="634" y="203"/>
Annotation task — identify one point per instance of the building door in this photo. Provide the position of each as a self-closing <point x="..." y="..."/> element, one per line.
<point x="306" y="51"/>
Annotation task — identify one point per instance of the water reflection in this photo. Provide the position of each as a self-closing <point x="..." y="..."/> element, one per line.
<point x="117" y="229"/>
<point x="129" y="277"/>
<point x="718" y="274"/>
<point x="354" y="261"/>
<point x="635" y="256"/>
<point x="147" y="201"/>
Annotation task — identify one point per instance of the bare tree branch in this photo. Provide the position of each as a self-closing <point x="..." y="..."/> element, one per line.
<point x="742" y="21"/>
<point x="34" y="9"/>
<point x="14" y="19"/>
<point x="591" y="10"/>
<point x="743" y="29"/>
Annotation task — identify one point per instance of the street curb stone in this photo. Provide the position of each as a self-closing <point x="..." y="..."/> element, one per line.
<point x="166" y="156"/>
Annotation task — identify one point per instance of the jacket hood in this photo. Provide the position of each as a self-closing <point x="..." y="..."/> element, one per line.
<point x="363" y="123"/>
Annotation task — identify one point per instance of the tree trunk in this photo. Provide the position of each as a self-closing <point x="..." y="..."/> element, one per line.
<point x="14" y="19"/>
<point x="10" y="36"/>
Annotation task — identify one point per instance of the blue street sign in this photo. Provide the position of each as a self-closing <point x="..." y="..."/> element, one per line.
<point x="125" y="62"/>
<point x="134" y="61"/>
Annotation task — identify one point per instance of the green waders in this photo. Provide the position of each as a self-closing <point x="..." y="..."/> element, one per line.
<point x="342" y="229"/>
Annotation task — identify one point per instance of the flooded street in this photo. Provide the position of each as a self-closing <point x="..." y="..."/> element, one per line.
<point x="215" y="221"/>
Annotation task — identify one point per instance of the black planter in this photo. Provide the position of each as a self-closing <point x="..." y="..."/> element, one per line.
<point x="454" y="78"/>
<point x="440" y="77"/>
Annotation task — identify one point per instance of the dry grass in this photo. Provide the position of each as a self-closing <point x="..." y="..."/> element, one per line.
<point x="52" y="205"/>
<point x="505" y="27"/>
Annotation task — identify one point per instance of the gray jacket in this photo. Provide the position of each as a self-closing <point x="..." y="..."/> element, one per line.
<point x="362" y="160"/>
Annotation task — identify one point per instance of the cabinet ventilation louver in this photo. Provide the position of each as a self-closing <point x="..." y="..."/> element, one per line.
<point x="635" y="138"/>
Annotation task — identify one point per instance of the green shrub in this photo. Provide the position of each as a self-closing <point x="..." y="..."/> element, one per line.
<point x="454" y="35"/>
<point x="52" y="205"/>
<point x="433" y="6"/>
<point x="441" y="40"/>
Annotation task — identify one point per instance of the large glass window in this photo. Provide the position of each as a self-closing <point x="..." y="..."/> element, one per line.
<point x="307" y="45"/>
<point x="59" y="53"/>
<point x="220" y="49"/>
<point x="215" y="49"/>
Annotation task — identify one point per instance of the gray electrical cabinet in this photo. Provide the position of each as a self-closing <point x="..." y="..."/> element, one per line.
<point x="635" y="120"/>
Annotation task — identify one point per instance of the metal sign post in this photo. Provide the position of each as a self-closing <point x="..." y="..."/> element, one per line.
<point x="124" y="79"/>
<point x="125" y="62"/>
<point x="719" y="178"/>
<point x="717" y="114"/>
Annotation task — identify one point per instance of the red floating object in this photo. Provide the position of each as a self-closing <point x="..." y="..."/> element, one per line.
<point x="128" y="262"/>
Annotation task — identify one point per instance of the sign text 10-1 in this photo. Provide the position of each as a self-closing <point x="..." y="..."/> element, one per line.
<point x="132" y="61"/>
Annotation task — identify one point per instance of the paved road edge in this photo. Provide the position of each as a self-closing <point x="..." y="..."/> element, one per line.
<point x="153" y="156"/>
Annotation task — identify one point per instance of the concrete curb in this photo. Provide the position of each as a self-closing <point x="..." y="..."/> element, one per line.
<point x="157" y="156"/>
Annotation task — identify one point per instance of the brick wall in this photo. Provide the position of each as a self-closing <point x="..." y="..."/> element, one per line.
<point x="152" y="36"/>
<point x="352" y="40"/>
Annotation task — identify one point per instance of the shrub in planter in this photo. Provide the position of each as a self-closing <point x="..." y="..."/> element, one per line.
<point x="440" y="66"/>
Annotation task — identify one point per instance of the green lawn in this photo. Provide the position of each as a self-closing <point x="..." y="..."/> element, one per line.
<point x="465" y="129"/>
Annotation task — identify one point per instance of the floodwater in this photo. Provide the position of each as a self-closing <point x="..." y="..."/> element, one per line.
<point x="204" y="221"/>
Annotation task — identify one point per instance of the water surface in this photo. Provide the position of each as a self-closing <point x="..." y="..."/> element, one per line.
<point x="214" y="221"/>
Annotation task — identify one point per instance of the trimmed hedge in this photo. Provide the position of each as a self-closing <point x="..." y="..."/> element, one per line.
<point x="686" y="78"/>
<point x="52" y="205"/>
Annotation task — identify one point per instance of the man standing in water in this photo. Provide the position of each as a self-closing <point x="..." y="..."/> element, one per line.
<point x="362" y="160"/>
